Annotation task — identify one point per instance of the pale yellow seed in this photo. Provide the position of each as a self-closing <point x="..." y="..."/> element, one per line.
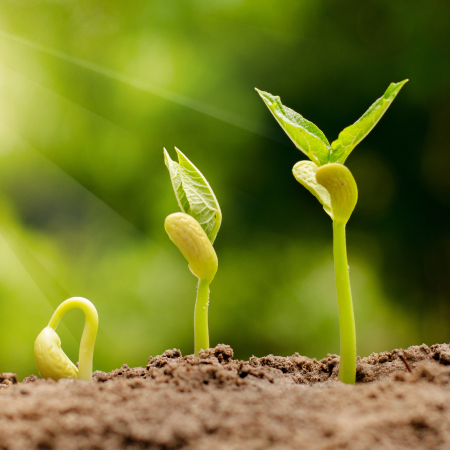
<point x="187" y="234"/>
<point x="51" y="361"/>
<point x="339" y="182"/>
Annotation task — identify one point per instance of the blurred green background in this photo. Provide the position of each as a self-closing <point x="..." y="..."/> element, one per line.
<point x="91" y="92"/>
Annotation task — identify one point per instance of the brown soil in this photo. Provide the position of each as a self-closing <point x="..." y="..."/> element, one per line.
<point x="215" y="402"/>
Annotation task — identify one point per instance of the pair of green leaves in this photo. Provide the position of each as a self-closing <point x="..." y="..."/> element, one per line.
<point x="194" y="194"/>
<point x="308" y="138"/>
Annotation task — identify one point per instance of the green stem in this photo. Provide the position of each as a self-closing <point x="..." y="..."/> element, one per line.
<point x="86" y="353"/>
<point x="201" y="333"/>
<point x="347" y="366"/>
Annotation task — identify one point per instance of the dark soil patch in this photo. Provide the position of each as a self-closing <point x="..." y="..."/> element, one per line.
<point x="217" y="403"/>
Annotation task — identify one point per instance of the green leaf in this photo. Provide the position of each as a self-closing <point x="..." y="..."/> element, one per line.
<point x="305" y="173"/>
<point x="194" y="194"/>
<point x="351" y="136"/>
<point x="304" y="134"/>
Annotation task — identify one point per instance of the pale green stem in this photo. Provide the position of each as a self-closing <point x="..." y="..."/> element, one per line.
<point x="201" y="333"/>
<point x="347" y="366"/>
<point x="86" y="353"/>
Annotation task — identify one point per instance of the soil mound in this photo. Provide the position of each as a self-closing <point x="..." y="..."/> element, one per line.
<point x="217" y="402"/>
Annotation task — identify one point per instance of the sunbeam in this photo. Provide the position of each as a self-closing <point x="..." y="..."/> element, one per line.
<point x="131" y="228"/>
<point x="51" y="288"/>
<point x="211" y="111"/>
<point x="41" y="152"/>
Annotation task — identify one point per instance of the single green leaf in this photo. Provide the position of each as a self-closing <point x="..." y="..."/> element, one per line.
<point x="351" y="136"/>
<point x="305" y="173"/>
<point x="194" y="194"/>
<point x="304" y="134"/>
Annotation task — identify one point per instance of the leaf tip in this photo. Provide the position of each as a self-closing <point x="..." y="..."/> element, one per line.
<point x="260" y="92"/>
<point x="167" y="158"/>
<point x="394" y="89"/>
<point x="400" y="84"/>
<point x="267" y="97"/>
<point x="182" y="157"/>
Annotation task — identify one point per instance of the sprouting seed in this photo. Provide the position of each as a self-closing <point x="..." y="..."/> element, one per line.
<point x="51" y="360"/>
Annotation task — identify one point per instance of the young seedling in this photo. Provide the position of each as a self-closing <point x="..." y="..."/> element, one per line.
<point x="51" y="361"/>
<point x="333" y="185"/>
<point x="193" y="231"/>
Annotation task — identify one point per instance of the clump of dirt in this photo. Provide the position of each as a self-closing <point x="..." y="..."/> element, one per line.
<point x="6" y="379"/>
<point x="401" y="401"/>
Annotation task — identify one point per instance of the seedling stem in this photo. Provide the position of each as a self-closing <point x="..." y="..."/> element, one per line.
<point x="86" y="352"/>
<point x="201" y="332"/>
<point x="347" y="366"/>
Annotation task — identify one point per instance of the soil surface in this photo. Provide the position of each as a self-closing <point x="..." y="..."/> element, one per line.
<point x="217" y="403"/>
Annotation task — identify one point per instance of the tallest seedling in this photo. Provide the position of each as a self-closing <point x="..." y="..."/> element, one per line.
<point x="333" y="185"/>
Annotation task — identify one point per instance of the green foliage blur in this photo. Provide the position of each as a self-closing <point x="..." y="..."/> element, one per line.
<point x="91" y="92"/>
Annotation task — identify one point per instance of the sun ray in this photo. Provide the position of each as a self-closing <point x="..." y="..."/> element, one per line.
<point x="188" y="102"/>
<point x="109" y="209"/>
<point x="57" y="94"/>
<point x="42" y="153"/>
<point x="51" y="288"/>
